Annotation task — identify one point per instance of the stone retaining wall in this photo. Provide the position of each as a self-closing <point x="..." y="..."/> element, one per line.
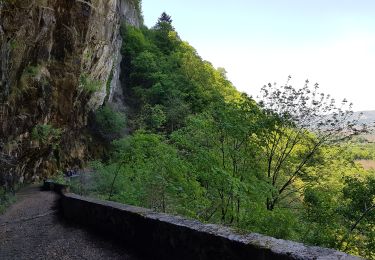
<point x="162" y="236"/>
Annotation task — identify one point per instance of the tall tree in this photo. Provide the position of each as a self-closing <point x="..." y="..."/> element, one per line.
<point x="166" y="37"/>
<point x="299" y="122"/>
<point x="219" y="145"/>
<point x="165" y="18"/>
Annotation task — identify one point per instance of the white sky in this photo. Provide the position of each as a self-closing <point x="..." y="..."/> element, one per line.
<point x="331" y="42"/>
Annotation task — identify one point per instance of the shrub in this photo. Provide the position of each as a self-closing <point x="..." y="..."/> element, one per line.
<point x="32" y="71"/>
<point x="46" y="134"/>
<point x="88" y="84"/>
<point x="108" y="123"/>
<point x="60" y="178"/>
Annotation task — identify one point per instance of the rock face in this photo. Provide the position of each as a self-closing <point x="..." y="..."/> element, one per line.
<point x="56" y="60"/>
<point x="131" y="16"/>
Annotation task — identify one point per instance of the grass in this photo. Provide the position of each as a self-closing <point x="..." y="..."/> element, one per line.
<point x="89" y="85"/>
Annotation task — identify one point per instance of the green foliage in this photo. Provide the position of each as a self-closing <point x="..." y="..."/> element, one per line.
<point x="32" y="71"/>
<point x="60" y="178"/>
<point x="359" y="209"/>
<point x="154" y="117"/>
<point x="199" y="148"/>
<point x="161" y="70"/>
<point x="361" y="151"/>
<point x="301" y="121"/>
<point x="14" y="44"/>
<point x="148" y="173"/>
<point x="108" y="123"/>
<point x="216" y="144"/>
<point x="88" y="84"/>
<point x="280" y="223"/>
<point x="46" y="134"/>
<point x="26" y="82"/>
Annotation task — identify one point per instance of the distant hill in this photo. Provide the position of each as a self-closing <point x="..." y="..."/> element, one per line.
<point x="368" y="117"/>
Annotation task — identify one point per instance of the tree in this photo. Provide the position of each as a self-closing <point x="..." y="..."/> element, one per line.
<point x="166" y="37"/>
<point x="165" y="18"/>
<point x="154" y="117"/>
<point x="359" y="210"/>
<point x="299" y="122"/>
<point x="108" y="123"/>
<point x="148" y="172"/>
<point x="218" y="144"/>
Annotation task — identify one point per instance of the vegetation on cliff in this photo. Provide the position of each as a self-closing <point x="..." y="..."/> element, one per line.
<point x="190" y="143"/>
<point x="199" y="148"/>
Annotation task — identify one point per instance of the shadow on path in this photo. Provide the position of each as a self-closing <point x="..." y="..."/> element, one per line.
<point x="31" y="229"/>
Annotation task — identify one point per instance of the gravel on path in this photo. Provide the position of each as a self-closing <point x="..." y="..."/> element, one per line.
<point x="31" y="229"/>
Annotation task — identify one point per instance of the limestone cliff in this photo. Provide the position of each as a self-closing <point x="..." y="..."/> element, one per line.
<point x="56" y="58"/>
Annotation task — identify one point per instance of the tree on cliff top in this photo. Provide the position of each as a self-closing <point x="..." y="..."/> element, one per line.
<point x="164" y="23"/>
<point x="164" y="18"/>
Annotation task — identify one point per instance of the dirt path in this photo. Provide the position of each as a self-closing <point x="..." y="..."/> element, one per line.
<point x="30" y="229"/>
